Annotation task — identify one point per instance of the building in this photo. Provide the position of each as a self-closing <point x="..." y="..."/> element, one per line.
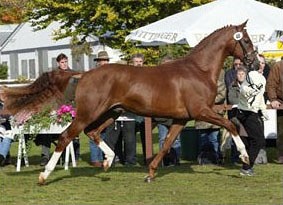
<point x="29" y="53"/>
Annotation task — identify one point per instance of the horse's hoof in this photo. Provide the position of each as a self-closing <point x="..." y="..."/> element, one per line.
<point x="148" y="179"/>
<point x="105" y="165"/>
<point x="245" y="159"/>
<point x="41" y="179"/>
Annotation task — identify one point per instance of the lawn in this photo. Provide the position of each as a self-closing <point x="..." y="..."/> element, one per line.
<point x="188" y="183"/>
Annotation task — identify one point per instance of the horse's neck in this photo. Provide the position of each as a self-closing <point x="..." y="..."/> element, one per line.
<point x="209" y="55"/>
<point x="209" y="63"/>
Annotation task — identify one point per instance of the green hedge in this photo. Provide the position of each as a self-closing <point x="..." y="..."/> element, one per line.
<point x="3" y="71"/>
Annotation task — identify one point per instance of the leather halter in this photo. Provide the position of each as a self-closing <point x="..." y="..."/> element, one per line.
<point x="250" y="58"/>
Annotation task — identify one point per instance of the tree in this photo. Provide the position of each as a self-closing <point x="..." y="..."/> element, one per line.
<point x="277" y="3"/>
<point x="12" y="11"/>
<point x="111" y="21"/>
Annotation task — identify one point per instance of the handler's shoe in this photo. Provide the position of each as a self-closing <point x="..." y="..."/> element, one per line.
<point x="247" y="172"/>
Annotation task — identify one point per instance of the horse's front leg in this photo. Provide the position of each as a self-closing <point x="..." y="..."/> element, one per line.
<point x="174" y="130"/>
<point x="95" y="136"/>
<point x="65" y="138"/>
<point x="210" y="116"/>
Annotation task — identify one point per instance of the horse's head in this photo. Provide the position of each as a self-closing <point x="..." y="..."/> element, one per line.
<point x="243" y="47"/>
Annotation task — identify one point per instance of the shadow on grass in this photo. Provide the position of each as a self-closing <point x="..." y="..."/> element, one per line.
<point x="186" y="167"/>
<point x="24" y="172"/>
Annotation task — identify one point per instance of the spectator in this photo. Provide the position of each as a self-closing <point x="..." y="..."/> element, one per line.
<point x="6" y="140"/>
<point x="234" y="89"/>
<point x="230" y="77"/>
<point x="209" y="133"/>
<point x="45" y="140"/>
<point x="174" y="154"/>
<point x="264" y="69"/>
<point x="122" y="134"/>
<point x="124" y="127"/>
<point x="96" y="155"/>
<point x="274" y="88"/>
<point x="251" y="110"/>
<point x="138" y="60"/>
<point x="102" y="58"/>
<point x="233" y="97"/>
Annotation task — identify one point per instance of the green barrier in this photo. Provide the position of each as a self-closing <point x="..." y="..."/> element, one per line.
<point x="189" y="143"/>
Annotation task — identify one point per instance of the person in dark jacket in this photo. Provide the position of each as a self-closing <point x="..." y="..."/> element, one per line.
<point x="274" y="87"/>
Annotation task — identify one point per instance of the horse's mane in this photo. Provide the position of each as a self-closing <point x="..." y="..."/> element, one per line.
<point x="47" y="89"/>
<point x="204" y="41"/>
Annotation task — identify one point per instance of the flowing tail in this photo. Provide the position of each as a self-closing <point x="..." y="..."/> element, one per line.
<point x="45" y="90"/>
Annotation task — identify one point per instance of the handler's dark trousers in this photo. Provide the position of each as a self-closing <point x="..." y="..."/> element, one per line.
<point x="126" y="129"/>
<point x="253" y="125"/>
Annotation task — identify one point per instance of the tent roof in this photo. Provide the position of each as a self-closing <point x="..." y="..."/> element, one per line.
<point x="194" y="24"/>
<point x="26" y="38"/>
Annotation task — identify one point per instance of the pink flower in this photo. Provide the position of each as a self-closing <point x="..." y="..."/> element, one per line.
<point x="64" y="111"/>
<point x="73" y="113"/>
<point x="59" y="112"/>
<point x="66" y="108"/>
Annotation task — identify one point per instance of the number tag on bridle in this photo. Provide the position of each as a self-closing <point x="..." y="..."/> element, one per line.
<point x="238" y="36"/>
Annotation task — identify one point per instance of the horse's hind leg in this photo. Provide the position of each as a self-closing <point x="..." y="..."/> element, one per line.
<point x="65" y="138"/>
<point x="94" y="129"/>
<point x="94" y="134"/>
<point x="174" y="130"/>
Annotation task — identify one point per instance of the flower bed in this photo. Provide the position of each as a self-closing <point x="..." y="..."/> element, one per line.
<point x="47" y="121"/>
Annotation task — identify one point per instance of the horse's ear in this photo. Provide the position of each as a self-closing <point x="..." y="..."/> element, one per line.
<point x="243" y="25"/>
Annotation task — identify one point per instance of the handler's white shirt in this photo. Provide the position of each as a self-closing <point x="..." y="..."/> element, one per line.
<point x="251" y="93"/>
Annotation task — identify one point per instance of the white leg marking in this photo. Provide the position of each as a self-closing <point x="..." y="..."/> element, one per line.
<point x="226" y="141"/>
<point x="109" y="154"/>
<point x="241" y="148"/>
<point x="51" y="164"/>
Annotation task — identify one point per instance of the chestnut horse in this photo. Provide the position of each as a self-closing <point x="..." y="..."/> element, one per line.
<point x="183" y="89"/>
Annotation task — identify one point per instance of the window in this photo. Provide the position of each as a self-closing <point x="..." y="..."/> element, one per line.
<point x="54" y="63"/>
<point x="24" y="65"/>
<point x="28" y="68"/>
<point x="32" y="68"/>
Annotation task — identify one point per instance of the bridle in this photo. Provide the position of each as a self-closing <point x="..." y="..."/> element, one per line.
<point x="250" y="58"/>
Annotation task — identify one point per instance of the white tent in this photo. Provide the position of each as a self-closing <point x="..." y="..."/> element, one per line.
<point x="193" y="25"/>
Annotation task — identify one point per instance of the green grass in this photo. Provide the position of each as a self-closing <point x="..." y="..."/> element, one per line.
<point x="186" y="184"/>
